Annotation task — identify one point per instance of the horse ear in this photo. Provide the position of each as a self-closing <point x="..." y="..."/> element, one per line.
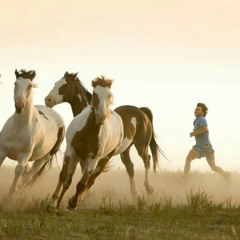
<point x="17" y="73"/>
<point x="109" y="83"/>
<point x="33" y="75"/>
<point x="66" y="73"/>
<point x="75" y="75"/>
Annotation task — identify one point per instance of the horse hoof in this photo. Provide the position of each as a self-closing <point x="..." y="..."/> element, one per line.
<point x="71" y="208"/>
<point x="72" y="205"/>
<point x="51" y="209"/>
<point x="9" y="197"/>
<point x="150" y="190"/>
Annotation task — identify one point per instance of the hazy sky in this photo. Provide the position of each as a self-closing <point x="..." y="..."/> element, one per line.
<point x="167" y="55"/>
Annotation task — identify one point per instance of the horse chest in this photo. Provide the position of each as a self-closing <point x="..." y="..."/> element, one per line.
<point x="85" y="144"/>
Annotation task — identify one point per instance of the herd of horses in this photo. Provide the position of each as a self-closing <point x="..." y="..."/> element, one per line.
<point x="34" y="133"/>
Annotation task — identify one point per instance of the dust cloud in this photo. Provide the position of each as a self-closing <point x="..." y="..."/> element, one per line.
<point x="114" y="185"/>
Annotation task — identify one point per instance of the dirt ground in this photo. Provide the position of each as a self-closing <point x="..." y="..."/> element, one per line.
<point x="114" y="184"/>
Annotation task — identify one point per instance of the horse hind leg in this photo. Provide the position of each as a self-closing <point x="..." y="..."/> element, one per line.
<point x="147" y="184"/>
<point x="35" y="171"/>
<point x="125" y="157"/>
<point x="143" y="153"/>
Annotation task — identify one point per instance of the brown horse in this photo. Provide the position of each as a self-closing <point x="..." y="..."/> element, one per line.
<point x="137" y="125"/>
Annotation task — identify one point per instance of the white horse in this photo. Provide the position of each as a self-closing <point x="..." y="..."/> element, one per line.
<point x="32" y="133"/>
<point x="93" y="137"/>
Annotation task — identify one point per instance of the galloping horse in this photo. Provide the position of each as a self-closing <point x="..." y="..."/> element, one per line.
<point x="32" y="133"/>
<point x="92" y="137"/>
<point x="137" y="124"/>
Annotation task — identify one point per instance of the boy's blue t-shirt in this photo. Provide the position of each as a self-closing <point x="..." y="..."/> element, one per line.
<point x="202" y="139"/>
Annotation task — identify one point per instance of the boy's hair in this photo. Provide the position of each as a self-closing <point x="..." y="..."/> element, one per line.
<point x="204" y="108"/>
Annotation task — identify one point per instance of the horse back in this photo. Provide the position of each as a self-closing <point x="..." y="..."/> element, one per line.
<point x="49" y="116"/>
<point x="136" y="123"/>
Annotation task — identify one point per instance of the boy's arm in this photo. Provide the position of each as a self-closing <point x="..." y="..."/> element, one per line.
<point x="199" y="132"/>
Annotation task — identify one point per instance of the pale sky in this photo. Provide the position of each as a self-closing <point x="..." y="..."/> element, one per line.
<point x="166" y="55"/>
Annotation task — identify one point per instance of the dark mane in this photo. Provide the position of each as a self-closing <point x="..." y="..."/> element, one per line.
<point x="25" y="74"/>
<point x="73" y="76"/>
<point x="85" y="89"/>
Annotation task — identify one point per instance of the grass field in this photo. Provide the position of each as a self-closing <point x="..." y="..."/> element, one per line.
<point x="203" y="207"/>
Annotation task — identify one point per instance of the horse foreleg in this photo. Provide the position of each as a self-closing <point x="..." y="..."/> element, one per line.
<point x="82" y="184"/>
<point x="62" y="178"/>
<point x="83" y="165"/>
<point x="19" y="169"/>
<point x="71" y="170"/>
<point x="125" y="157"/>
<point x="101" y="166"/>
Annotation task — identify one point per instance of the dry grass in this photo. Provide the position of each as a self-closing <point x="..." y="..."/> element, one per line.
<point x="203" y="207"/>
<point x="115" y="183"/>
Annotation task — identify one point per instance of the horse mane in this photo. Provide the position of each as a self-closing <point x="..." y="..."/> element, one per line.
<point x="102" y="81"/>
<point x="26" y="74"/>
<point x="84" y="88"/>
<point x="74" y="77"/>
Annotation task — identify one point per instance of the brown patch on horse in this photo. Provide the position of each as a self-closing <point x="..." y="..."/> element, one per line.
<point x="128" y="114"/>
<point x="102" y="81"/>
<point x="86" y="140"/>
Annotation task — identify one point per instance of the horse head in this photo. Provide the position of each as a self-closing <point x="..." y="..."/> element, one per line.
<point x="102" y="98"/>
<point x="23" y="89"/>
<point x="68" y="89"/>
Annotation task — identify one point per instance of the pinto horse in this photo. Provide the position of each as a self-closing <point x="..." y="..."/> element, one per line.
<point x="92" y="137"/>
<point x="32" y="133"/>
<point x="137" y="124"/>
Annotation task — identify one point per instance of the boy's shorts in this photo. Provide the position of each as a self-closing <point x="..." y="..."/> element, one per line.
<point x="204" y="151"/>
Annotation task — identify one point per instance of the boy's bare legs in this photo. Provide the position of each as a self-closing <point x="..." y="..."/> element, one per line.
<point x="193" y="154"/>
<point x="215" y="168"/>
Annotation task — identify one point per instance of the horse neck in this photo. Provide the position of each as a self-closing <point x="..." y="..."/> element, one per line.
<point x="79" y="102"/>
<point x="92" y="121"/>
<point x="26" y="116"/>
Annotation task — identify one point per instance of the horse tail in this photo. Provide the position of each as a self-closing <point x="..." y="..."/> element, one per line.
<point x="60" y="137"/>
<point x="52" y="153"/>
<point x="40" y="171"/>
<point x="154" y="147"/>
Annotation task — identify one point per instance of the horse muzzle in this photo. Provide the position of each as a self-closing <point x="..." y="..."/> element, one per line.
<point x="100" y="120"/>
<point x="19" y="109"/>
<point x="50" y="102"/>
